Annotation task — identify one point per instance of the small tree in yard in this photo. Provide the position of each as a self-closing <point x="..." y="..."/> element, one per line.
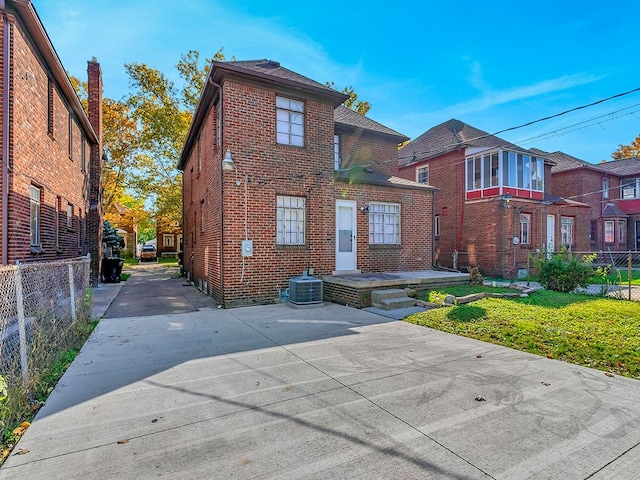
<point x="111" y="239"/>
<point x="563" y="273"/>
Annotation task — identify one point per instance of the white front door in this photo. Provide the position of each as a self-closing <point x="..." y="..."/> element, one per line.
<point x="551" y="232"/>
<point x="345" y="235"/>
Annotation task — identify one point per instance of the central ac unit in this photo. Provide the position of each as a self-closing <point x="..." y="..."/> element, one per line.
<point x="305" y="290"/>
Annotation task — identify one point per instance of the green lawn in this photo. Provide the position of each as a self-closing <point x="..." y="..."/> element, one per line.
<point x="591" y="331"/>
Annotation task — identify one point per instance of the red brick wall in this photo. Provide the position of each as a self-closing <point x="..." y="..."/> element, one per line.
<point x="358" y="148"/>
<point x="264" y="170"/>
<point x="42" y="160"/>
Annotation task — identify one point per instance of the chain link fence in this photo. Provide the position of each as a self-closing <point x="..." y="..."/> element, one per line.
<point x="42" y="307"/>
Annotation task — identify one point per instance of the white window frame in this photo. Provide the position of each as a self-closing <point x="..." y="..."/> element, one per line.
<point x="168" y="240"/>
<point x="291" y="220"/>
<point x="567" y="226"/>
<point x="605" y="188"/>
<point x="289" y="122"/>
<point x="336" y="152"/>
<point x="629" y="188"/>
<point x="609" y="231"/>
<point x="436" y="225"/>
<point x="422" y="174"/>
<point x="622" y="231"/>
<point x="384" y="223"/>
<point x="525" y="228"/>
<point x="34" y="214"/>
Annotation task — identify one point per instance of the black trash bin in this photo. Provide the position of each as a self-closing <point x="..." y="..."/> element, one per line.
<point x="112" y="269"/>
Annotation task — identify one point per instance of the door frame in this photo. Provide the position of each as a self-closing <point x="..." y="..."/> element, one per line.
<point x="350" y="257"/>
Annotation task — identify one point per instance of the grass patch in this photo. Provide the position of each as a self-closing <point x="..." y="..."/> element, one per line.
<point x="438" y="296"/>
<point x="124" y="276"/>
<point x="170" y="261"/>
<point x="592" y="331"/>
<point x="620" y="277"/>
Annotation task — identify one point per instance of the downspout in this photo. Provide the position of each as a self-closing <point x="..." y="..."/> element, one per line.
<point x="433" y="237"/>
<point x="461" y="213"/>
<point x="222" y="282"/>
<point x="5" y="133"/>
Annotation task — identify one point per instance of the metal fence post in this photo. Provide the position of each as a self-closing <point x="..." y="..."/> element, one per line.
<point x="629" y="274"/>
<point x="22" y="326"/>
<point x="72" y="292"/>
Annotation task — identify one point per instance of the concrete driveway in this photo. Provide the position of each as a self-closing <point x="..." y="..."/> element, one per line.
<point x="332" y="392"/>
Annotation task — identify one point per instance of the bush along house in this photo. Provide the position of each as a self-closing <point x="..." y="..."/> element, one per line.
<point x="493" y="207"/>
<point x="280" y="178"/>
<point x="51" y="149"/>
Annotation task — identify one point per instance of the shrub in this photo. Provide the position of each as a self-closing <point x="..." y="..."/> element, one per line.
<point x="475" y="277"/>
<point x="563" y="273"/>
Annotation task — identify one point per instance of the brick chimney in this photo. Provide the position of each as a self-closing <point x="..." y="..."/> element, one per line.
<point x="94" y="217"/>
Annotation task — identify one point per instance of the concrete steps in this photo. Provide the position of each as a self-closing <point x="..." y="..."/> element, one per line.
<point x="391" y="298"/>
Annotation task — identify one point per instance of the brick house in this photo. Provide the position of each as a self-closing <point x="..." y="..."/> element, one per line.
<point x="280" y="178"/>
<point x="494" y="206"/>
<point x="612" y="189"/>
<point x="120" y="217"/>
<point x="51" y="149"/>
<point x="168" y="238"/>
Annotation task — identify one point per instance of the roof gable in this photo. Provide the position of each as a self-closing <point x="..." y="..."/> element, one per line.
<point x="450" y="136"/>
<point x="624" y="168"/>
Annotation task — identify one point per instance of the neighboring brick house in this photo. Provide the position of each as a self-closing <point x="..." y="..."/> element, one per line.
<point x="494" y="206"/>
<point x="612" y="189"/>
<point x="280" y="178"/>
<point x="51" y="149"/>
<point x="168" y="238"/>
<point x="120" y="217"/>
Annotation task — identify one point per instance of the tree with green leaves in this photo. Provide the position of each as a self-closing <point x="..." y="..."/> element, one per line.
<point x="627" y="151"/>
<point x="360" y="106"/>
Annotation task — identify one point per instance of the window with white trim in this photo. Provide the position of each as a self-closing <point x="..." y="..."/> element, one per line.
<point x="336" y="152"/>
<point x="605" y="188"/>
<point x="525" y="228"/>
<point x="566" y="230"/>
<point x="629" y="188"/>
<point x="422" y="174"/>
<point x="290" y="122"/>
<point x="622" y="231"/>
<point x="608" y="231"/>
<point x="34" y="201"/>
<point x="436" y="226"/>
<point x="167" y="239"/>
<point x="384" y="223"/>
<point x="290" y="219"/>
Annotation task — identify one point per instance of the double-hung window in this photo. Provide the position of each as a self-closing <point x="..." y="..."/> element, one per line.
<point x="336" y="152"/>
<point x="608" y="231"/>
<point x="436" y="226"/>
<point x="384" y="223"/>
<point x="290" y="121"/>
<point x="290" y="219"/>
<point x="422" y="174"/>
<point x="566" y="230"/>
<point x="628" y="188"/>
<point x="525" y="228"/>
<point x="34" y="201"/>
<point x="622" y="231"/>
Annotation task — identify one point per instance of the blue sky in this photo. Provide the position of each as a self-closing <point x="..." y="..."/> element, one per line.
<point x="493" y="64"/>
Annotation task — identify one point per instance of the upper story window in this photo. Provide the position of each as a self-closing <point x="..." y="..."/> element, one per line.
<point x="605" y="188"/>
<point x="336" y="152"/>
<point x="290" y="122"/>
<point x="384" y="223"/>
<point x="167" y="239"/>
<point x="290" y="219"/>
<point x="629" y="188"/>
<point x="498" y="169"/>
<point x="34" y="201"/>
<point x="422" y="174"/>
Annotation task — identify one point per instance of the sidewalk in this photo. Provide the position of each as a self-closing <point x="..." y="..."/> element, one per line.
<point x="101" y="298"/>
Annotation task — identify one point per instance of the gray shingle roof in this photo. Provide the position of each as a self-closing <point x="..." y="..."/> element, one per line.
<point x="272" y="70"/>
<point x="624" y="168"/>
<point x="440" y="139"/>
<point x="344" y="116"/>
<point x="565" y="162"/>
<point x="364" y="174"/>
<point x="610" y="210"/>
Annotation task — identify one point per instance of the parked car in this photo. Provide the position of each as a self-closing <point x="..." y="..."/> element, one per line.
<point x="148" y="252"/>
